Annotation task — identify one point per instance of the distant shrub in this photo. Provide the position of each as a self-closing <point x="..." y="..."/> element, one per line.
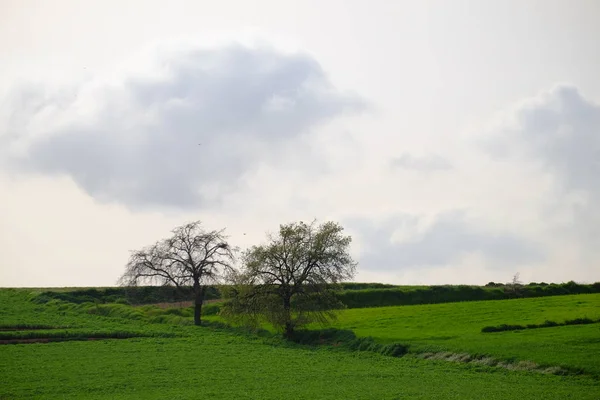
<point x="347" y="339"/>
<point x="580" y="321"/>
<point x="494" y="284"/>
<point x="545" y="324"/>
<point x="549" y="324"/>
<point x="501" y="328"/>
<point x="394" y="350"/>
<point x="362" y="286"/>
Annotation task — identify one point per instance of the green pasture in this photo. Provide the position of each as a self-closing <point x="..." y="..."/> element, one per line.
<point x="176" y="360"/>
<point x="457" y="327"/>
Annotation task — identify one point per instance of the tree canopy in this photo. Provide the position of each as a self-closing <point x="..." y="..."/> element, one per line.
<point x="192" y="257"/>
<point x="287" y="280"/>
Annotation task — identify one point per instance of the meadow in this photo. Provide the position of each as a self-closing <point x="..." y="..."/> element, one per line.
<point x="456" y="327"/>
<point x="173" y="359"/>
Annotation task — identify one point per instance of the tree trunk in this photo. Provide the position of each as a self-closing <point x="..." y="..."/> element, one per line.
<point x="289" y="327"/>
<point x="198" y="300"/>
<point x="289" y="330"/>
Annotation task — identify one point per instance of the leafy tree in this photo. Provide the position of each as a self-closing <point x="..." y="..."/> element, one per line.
<point x="287" y="281"/>
<point x="190" y="257"/>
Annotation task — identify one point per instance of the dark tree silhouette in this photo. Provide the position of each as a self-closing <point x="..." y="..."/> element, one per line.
<point x="190" y="257"/>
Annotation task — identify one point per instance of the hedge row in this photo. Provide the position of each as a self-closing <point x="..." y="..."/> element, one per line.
<point x="353" y="295"/>
<point x="546" y="324"/>
<point x="129" y="295"/>
<point x="448" y="293"/>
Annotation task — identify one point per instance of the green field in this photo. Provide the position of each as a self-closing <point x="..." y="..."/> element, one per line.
<point x="457" y="327"/>
<point x="207" y="362"/>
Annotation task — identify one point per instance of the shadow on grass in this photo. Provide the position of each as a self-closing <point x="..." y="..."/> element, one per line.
<point x="333" y="338"/>
<point x="36" y="336"/>
<point x="28" y="327"/>
<point x="346" y="340"/>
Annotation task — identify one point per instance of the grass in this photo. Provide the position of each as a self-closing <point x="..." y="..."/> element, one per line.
<point x="224" y="363"/>
<point x="219" y="365"/>
<point x="456" y="327"/>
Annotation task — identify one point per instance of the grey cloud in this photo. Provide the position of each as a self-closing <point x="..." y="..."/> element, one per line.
<point x="443" y="242"/>
<point x="425" y="163"/>
<point x="560" y="131"/>
<point x="208" y="118"/>
<point x="564" y="131"/>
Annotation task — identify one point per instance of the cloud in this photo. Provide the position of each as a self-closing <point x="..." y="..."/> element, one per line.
<point x="559" y="132"/>
<point x="426" y="163"/>
<point x="409" y="241"/>
<point x="559" y="129"/>
<point x="180" y="133"/>
<point x="529" y="201"/>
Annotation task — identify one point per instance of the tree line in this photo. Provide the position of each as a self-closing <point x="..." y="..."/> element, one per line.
<point x="351" y="294"/>
<point x="286" y="281"/>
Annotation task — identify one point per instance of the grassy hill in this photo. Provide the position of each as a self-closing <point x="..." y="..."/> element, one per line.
<point x="169" y="358"/>
<point x="457" y="327"/>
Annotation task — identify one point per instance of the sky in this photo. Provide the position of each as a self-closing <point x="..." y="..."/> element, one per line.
<point x="456" y="142"/>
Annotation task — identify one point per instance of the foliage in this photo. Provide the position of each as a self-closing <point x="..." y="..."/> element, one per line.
<point x="513" y="288"/>
<point x="288" y="280"/>
<point x="362" y="286"/>
<point x="374" y="297"/>
<point x="347" y="339"/>
<point x="353" y="295"/>
<point x="129" y="295"/>
<point x="545" y="324"/>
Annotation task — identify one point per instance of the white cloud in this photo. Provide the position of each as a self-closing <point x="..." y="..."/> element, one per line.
<point x="558" y="132"/>
<point x="247" y="137"/>
<point x="445" y="242"/>
<point x="425" y="163"/>
<point x="531" y="207"/>
<point x="180" y="134"/>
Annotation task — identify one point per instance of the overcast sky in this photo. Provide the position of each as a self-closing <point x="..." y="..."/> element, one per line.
<point x="456" y="141"/>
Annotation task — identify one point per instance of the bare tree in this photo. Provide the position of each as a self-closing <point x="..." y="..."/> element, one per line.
<point x="190" y="257"/>
<point x="514" y="286"/>
<point x="288" y="280"/>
